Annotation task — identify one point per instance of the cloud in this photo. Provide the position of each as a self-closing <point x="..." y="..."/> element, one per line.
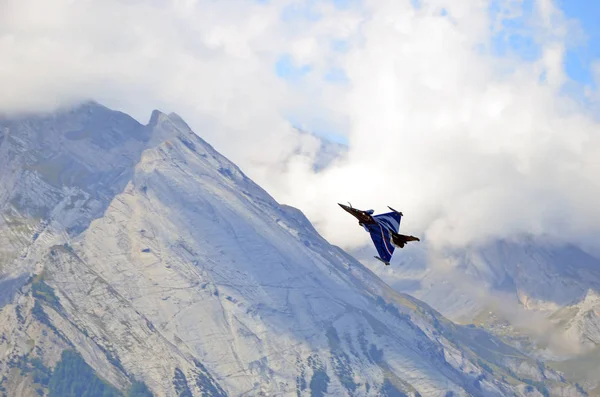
<point x="468" y="143"/>
<point x="469" y="146"/>
<point x="550" y="338"/>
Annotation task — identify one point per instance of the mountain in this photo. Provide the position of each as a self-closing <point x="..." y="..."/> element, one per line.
<point x="137" y="260"/>
<point x="327" y="151"/>
<point x="538" y="295"/>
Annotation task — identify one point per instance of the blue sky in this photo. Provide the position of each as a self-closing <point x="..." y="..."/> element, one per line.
<point x="579" y="56"/>
<point x="514" y="38"/>
<point x="578" y="60"/>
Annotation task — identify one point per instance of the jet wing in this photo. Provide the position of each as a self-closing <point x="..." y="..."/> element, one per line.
<point x="389" y="220"/>
<point x="381" y="239"/>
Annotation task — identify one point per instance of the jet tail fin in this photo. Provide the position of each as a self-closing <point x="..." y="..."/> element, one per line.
<point x="410" y="238"/>
<point x="399" y="240"/>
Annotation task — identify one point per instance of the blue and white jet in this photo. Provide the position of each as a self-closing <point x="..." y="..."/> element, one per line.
<point x="383" y="229"/>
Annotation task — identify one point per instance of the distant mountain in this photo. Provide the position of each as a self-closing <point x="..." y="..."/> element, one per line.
<point x="327" y="151"/>
<point x="136" y="260"/>
<point x="539" y="296"/>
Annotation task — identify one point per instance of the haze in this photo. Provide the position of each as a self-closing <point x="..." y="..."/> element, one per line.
<point x="459" y="113"/>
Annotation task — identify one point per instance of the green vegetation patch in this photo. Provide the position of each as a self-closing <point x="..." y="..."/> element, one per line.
<point x="73" y="377"/>
<point x="139" y="389"/>
<point x="181" y="386"/>
<point x="320" y="380"/>
<point x="41" y="290"/>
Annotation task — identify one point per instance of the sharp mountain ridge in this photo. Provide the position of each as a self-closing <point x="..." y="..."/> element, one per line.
<point x="142" y="258"/>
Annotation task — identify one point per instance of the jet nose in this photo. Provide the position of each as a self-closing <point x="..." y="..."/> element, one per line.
<point x="348" y="209"/>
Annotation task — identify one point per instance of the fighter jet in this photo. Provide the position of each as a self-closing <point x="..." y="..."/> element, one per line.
<point x="383" y="229"/>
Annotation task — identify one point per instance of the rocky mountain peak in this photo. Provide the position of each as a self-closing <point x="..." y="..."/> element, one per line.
<point x="157" y="260"/>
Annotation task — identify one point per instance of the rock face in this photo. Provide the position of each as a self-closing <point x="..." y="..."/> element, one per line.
<point x="157" y="260"/>
<point x="539" y="275"/>
<point x="534" y="293"/>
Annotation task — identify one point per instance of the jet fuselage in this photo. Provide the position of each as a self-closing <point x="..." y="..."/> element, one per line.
<point x="365" y="218"/>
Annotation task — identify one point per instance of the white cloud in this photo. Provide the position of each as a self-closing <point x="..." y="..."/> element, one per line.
<point x="469" y="146"/>
<point x="465" y="149"/>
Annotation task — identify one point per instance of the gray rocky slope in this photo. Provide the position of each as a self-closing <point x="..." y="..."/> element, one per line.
<point x="538" y="295"/>
<point x="157" y="259"/>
